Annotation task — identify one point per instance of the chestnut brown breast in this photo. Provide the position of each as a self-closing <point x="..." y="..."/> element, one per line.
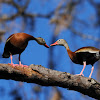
<point x="72" y="55"/>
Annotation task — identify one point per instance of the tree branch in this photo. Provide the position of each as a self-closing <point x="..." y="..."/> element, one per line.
<point x="6" y="18"/>
<point x="47" y="77"/>
<point x="21" y="11"/>
<point x="84" y="36"/>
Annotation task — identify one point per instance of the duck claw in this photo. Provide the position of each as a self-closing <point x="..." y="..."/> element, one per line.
<point x="80" y="74"/>
<point x="13" y="64"/>
<point x="23" y="65"/>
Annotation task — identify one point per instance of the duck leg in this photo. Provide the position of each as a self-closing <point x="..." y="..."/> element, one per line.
<point x="12" y="61"/>
<point x="91" y="71"/>
<point x="84" y="65"/>
<point x="20" y="63"/>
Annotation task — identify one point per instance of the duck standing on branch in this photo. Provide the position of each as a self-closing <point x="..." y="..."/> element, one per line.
<point x="16" y="44"/>
<point x="83" y="56"/>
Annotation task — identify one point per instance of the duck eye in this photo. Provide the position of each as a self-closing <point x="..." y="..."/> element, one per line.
<point x="59" y="40"/>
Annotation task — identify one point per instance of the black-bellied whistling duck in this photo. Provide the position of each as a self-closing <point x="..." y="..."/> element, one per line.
<point x="16" y="44"/>
<point x="83" y="56"/>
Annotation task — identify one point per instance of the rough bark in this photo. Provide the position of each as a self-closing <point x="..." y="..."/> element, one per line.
<point x="47" y="77"/>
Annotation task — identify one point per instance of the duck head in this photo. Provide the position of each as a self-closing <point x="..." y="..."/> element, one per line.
<point x="60" y="42"/>
<point x="41" y="41"/>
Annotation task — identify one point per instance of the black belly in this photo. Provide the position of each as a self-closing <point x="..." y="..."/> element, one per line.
<point x="90" y="58"/>
<point x="11" y="49"/>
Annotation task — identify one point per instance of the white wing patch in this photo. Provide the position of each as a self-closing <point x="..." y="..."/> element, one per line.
<point x="88" y="50"/>
<point x="97" y="54"/>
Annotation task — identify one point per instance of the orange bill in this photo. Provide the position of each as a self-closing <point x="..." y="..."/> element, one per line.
<point x="46" y="45"/>
<point x="54" y="44"/>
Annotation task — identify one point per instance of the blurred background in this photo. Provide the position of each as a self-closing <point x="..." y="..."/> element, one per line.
<point x="76" y="21"/>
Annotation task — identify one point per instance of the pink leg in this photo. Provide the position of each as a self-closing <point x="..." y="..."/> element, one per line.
<point x="12" y="62"/>
<point x="11" y="59"/>
<point x="84" y="65"/>
<point x="20" y="63"/>
<point x="91" y="71"/>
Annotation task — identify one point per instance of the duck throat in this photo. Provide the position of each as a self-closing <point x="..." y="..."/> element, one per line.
<point x="70" y="53"/>
<point x="66" y="46"/>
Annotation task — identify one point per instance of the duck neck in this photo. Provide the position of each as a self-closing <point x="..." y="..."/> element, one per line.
<point x="70" y="53"/>
<point x="31" y="38"/>
<point x="36" y="39"/>
<point x="66" y="46"/>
